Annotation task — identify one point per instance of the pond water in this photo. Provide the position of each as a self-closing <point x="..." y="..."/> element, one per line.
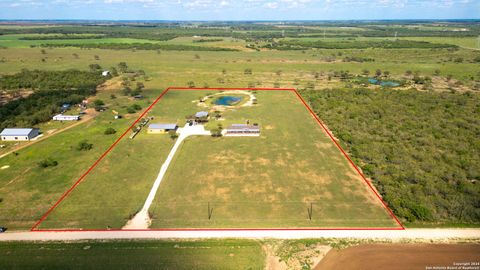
<point x="383" y="83"/>
<point x="227" y="100"/>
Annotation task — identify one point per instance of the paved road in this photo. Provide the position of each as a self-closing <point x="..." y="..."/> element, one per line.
<point x="394" y="235"/>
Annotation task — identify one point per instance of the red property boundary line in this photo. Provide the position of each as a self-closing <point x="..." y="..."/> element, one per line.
<point x="390" y="212"/>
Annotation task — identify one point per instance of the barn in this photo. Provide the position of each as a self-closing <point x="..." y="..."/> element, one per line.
<point x="161" y="128"/>
<point x="19" y="134"/>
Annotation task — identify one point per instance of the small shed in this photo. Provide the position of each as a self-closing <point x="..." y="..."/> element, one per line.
<point x="201" y="114"/>
<point x="62" y="117"/>
<point x="161" y="128"/>
<point x="105" y="73"/>
<point x="19" y="134"/>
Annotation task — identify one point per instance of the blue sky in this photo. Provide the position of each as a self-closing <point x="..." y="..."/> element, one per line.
<point x="239" y="10"/>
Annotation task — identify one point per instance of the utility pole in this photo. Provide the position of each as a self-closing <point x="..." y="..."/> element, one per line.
<point x="210" y="211"/>
<point x="310" y="211"/>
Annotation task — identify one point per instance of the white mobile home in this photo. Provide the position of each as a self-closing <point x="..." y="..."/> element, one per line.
<point x="242" y="130"/>
<point x="19" y="134"/>
<point x="61" y="117"/>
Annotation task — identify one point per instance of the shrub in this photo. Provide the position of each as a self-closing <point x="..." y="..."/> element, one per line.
<point x="216" y="132"/>
<point x="110" y="131"/>
<point x="48" y="162"/>
<point x="84" y="146"/>
<point x="173" y="134"/>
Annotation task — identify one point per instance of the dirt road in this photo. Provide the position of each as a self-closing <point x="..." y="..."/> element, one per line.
<point x="142" y="219"/>
<point x="394" y="235"/>
<point x="85" y="118"/>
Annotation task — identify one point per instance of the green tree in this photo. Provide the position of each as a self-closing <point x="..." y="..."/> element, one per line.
<point x="109" y="131"/>
<point x="84" y="146"/>
<point x="122" y="67"/>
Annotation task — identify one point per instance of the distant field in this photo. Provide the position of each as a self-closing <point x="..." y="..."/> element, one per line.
<point x="209" y="254"/>
<point x="14" y="41"/>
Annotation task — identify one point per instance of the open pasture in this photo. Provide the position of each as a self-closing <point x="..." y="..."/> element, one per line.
<point x="268" y="181"/>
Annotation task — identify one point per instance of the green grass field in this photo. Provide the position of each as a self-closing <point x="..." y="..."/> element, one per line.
<point x="266" y="181"/>
<point x="210" y="254"/>
<point x="28" y="191"/>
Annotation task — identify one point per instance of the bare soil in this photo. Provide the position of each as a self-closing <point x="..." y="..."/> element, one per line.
<point x="401" y="256"/>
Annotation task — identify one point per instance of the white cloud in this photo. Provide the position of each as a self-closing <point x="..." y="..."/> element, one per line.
<point x="271" y="5"/>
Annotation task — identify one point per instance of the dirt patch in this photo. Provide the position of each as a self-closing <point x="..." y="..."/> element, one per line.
<point x="300" y="256"/>
<point x="7" y="96"/>
<point x="111" y="85"/>
<point x="400" y="256"/>
<point x="272" y="261"/>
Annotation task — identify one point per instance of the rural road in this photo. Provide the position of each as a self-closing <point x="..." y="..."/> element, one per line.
<point x="394" y="235"/>
<point x="85" y="118"/>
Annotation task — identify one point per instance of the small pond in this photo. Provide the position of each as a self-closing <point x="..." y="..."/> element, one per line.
<point x="227" y="100"/>
<point x="383" y="83"/>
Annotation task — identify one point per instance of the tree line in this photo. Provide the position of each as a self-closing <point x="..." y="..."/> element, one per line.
<point x="51" y="90"/>
<point x="296" y="44"/>
<point x="141" y="46"/>
<point x="419" y="148"/>
<point x="51" y="80"/>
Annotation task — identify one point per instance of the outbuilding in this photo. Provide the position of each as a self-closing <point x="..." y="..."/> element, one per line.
<point x="61" y="117"/>
<point x="161" y="128"/>
<point x="105" y="73"/>
<point x="242" y="130"/>
<point x="19" y="134"/>
<point x="201" y="114"/>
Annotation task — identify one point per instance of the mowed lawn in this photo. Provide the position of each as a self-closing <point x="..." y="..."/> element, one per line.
<point x="210" y="254"/>
<point x="266" y="181"/>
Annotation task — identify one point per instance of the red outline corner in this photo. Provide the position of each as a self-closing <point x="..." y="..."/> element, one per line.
<point x="390" y="212"/>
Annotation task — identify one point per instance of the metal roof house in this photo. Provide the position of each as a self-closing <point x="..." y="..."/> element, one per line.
<point x="242" y="130"/>
<point x="19" y="134"/>
<point x="201" y="114"/>
<point x="161" y="128"/>
<point x="61" y="117"/>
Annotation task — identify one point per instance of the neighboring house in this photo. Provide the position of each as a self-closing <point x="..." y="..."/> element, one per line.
<point x="61" y="117"/>
<point x="242" y="130"/>
<point x="105" y="73"/>
<point x="161" y="128"/>
<point x="19" y="134"/>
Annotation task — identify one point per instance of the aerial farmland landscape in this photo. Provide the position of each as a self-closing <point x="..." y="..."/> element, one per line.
<point x="239" y="134"/>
